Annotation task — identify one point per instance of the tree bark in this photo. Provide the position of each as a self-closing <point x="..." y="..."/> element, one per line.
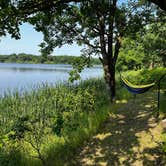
<point x="109" y="56"/>
<point x="109" y="75"/>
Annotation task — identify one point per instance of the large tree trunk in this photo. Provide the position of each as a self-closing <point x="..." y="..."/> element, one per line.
<point x="110" y="46"/>
<point x="109" y="61"/>
<point x="109" y="75"/>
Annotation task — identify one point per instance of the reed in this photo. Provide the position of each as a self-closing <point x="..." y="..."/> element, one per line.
<point x="37" y="127"/>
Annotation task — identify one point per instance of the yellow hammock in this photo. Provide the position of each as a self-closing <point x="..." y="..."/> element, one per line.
<point x="136" y="89"/>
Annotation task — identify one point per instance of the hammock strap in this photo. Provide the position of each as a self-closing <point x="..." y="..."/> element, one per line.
<point x="160" y="79"/>
<point x="158" y="93"/>
<point x="158" y="100"/>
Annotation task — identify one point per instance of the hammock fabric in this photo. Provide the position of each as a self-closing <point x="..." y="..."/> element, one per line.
<point x="136" y="89"/>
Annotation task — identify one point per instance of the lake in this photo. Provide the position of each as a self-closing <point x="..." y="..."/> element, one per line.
<point x="23" y="77"/>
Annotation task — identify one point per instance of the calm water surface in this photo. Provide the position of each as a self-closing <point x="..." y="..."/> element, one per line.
<point x="26" y="76"/>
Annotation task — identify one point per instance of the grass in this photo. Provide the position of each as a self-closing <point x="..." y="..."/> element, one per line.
<point x="47" y="126"/>
<point x="36" y="127"/>
<point x="130" y="136"/>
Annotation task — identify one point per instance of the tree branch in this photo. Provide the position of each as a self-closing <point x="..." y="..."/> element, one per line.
<point x="82" y="37"/>
<point x="117" y="48"/>
<point x="33" y="6"/>
<point x="160" y="3"/>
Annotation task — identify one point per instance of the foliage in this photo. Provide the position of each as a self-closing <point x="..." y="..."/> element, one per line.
<point x="154" y="41"/>
<point x="131" y="55"/>
<point x="52" y="117"/>
<point x="8" y="19"/>
<point x="162" y="146"/>
<point x="146" y="76"/>
<point x="141" y="77"/>
<point x="28" y="58"/>
<point x="146" y="49"/>
<point x="164" y="143"/>
<point x="160" y="3"/>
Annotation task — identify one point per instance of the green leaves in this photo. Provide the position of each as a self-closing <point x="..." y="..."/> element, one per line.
<point x="9" y="22"/>
<point x="79" y="63"/>
<point x="147" y="48"/>
<point x="131" y="55"/>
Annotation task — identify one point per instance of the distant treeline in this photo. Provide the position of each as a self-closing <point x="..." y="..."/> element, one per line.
<point x="29" y="58"/>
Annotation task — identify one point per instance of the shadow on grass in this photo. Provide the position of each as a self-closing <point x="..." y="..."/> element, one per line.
<point x="127" y="138"/>
<point x="160" y="157"/>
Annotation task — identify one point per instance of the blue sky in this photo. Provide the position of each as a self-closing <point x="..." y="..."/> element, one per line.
<point x="30" y="39"/>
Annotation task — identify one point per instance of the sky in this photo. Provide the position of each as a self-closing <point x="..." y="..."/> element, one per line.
<point x="30" y="39"/>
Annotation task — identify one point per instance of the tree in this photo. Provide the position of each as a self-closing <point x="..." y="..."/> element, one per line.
<point x="98" y="25"/>
<point x="8" y="19"/>
<point x="13" y="12"/>
<point x="131" y="55"/>
<point x="154" y="44"/>
<point x="147" y="49"/>
<point x="153" y="41"/>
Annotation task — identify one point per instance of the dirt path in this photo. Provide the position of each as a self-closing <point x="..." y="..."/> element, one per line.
<point x="130" y="137"/>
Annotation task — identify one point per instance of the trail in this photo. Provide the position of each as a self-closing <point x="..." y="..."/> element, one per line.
<point x="130" y="137"/>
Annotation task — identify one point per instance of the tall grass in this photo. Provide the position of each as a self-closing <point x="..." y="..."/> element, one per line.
<point x="44" y="127"/>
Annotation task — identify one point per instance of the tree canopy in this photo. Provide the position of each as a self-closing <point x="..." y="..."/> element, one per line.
<point x="14" y="12"/>
<point x="99" y="26"/>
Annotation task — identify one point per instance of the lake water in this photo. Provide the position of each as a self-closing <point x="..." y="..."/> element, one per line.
<point x="26" y="76"/>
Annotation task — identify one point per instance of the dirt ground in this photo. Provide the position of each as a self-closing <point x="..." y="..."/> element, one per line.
<point x="130" y="137"/>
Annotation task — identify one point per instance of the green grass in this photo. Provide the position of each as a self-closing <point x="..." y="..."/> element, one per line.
<point x="44" y="127"/>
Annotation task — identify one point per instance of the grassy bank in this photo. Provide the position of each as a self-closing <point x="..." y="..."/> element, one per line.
<point x="45" y="127"/>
